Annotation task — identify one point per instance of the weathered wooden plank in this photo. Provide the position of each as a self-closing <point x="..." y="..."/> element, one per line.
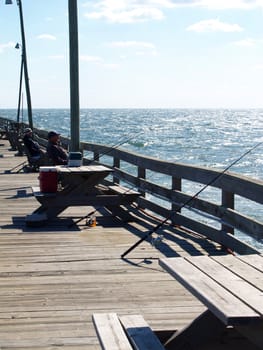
<point x="228" y="308"/>
<point x="110" y="332"/>
<point x="231" y="280"/>
<point x="250" y="273"/>
<point x="139" y="333"/>
<point x="256" y="261"/>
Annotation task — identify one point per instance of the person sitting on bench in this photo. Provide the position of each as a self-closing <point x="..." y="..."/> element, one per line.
<point x="57" y="153"/>
<point x="32" y="146"/>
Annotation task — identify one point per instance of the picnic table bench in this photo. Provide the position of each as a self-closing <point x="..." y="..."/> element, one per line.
<point x="231" y="287"/>
<point x="81" y="186"/>
<point x="125" y="332"/>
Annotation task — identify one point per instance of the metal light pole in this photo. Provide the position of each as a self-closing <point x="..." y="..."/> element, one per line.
<point x="20" y="84"/>
<point x="74" y="75"/>
<point x="28" y="96"/>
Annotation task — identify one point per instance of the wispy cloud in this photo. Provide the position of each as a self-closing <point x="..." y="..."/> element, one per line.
<point x="125" y="11"/>
<point x="6" y="46"/>
<point x="229" y="4"/>
<point x="214" y="4"/>
<point x="214" y="25"/>
<point x="46" y="37"/>
<point x="132" y="11"/>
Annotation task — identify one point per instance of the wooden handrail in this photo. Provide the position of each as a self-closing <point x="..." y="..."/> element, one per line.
<point x="164" y="200"/>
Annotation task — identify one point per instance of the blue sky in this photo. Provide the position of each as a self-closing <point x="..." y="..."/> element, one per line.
<point x="138" y="54"/>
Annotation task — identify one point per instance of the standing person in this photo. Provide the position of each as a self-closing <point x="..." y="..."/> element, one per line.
<point x="32" y="146"/>
<point x="58" y="155"/>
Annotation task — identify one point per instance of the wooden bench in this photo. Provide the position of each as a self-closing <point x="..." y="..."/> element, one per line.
<point x="15" y="141"/>
<point x="80" y="186"/>
<point x="231" y="287"/>
<point x="125" y="191"/>
<point x="2" y="133"/>
<point x="37" y="193"/>
<point x="125" y="332"/>
<point x="129" y="196"/>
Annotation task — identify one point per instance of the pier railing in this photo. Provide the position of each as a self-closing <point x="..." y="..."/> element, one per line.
<point x="144" y="175"/>
<point x="166" y="186"/>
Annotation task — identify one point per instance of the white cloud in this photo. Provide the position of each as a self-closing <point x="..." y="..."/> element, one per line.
<point x="164" y="3"/>
<point x="131" y="11"/>
<point x="46" y="37"/>
<point x="121" y="11"/>
<point x="8" y="45"/>
<point x="214" y="25"/>
<point x="229" y="4"/>
<point x="212" y="4"/>
<point x="249" y="42"/>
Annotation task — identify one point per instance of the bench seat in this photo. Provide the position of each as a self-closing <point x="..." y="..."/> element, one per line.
<point x="125" y="332"/>
<point x="118" y="189"/>
<point x="37" y="193"/>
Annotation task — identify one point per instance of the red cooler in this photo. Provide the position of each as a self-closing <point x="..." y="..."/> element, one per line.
<point x="48" y="179"/>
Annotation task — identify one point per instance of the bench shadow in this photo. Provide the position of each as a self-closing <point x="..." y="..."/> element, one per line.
<point x="58" y="225"/>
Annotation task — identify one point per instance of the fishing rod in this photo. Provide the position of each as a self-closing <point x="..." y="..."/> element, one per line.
<point x="187" y="202"/>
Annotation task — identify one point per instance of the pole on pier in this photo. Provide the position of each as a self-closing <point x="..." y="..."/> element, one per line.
<point x="24" y="61"/>
<point x="28" y="95"/>
<point x="74" y="75"/>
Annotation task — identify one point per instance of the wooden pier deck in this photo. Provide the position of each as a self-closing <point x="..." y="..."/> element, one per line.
<point x="52" y="279"/>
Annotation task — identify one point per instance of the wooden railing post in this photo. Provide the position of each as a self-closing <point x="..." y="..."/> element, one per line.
<point x="116" y="164"/>
<point x="141" y="174"/>
<point x="228" y="201"/>
<point x="96" y="156"/>
<point x="176" y="185"/>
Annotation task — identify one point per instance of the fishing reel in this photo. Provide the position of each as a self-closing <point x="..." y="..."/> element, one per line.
<point x="155" y="241"/>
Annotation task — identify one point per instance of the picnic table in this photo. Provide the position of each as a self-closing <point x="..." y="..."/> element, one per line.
<point x="231" y="287"/>
<point x="79" y="186"/>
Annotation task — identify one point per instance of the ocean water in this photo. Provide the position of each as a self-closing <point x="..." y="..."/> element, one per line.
<point x="206" y="137"/>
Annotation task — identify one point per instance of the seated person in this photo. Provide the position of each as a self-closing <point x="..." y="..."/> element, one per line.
<point x="32" y="146"/>
<point x="57" y="153"/>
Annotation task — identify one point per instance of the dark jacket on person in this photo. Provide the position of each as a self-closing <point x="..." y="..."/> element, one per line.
<point x="57" y="153"/>
<point x="32" y="146"/>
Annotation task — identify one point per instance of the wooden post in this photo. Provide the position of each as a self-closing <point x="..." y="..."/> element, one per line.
<point x="176" y="185"/>
<point x="228" y="201"/>
<point x="116" y="164"/>
<point x="141" y="175"/>
<point x="74" y="75"/>
<point x="96" y="156"/>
